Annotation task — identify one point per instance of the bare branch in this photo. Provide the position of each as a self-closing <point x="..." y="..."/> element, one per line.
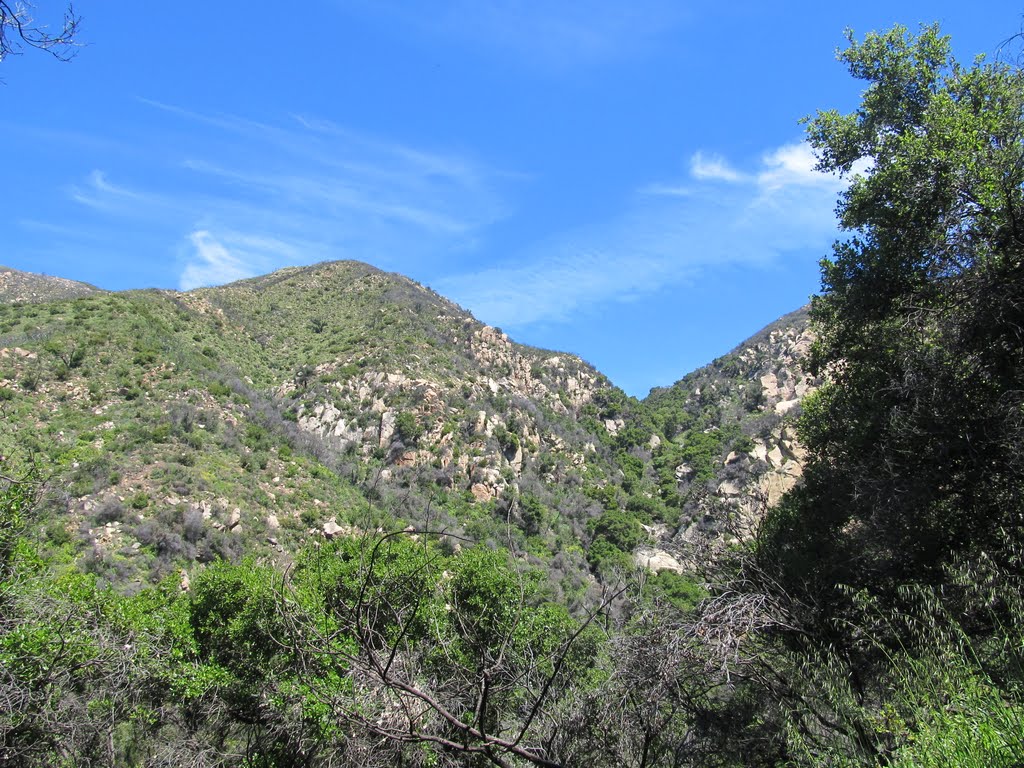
<point x="19" y="29"/>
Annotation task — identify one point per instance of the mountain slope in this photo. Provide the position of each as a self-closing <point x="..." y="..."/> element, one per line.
<point x="731" y="450"/>
<point x="26" y="287"/>
<point x="255" y="417"/>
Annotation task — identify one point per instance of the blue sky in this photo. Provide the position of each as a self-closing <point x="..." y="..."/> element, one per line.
<point x="622" y="180"/>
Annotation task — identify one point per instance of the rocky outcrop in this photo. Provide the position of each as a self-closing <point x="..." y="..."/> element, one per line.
<point x="758" y="387"/>
<point x="29" y="288"/>
<point x="480" y="426"/>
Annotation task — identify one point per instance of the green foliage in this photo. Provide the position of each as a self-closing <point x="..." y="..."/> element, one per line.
<point x="614" y="537"/>
<point x="408" y="428"/>
<point x="139" y="500"/>
<point x="619" y="529"/>
<point x="897" y="564"/>
<point x="920" y="309"/>
<point x="219" y="389"/>
<point x="234" y="618"/>
<point x="962" y="718"/>
<point x="507" y="439"/>
<point x="534" y="514"/>
<point x="19" y="494"/>
<point x="684" y="591"/>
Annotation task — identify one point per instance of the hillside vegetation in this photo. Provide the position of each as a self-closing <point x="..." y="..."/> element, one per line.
<point x="325" y="517"/>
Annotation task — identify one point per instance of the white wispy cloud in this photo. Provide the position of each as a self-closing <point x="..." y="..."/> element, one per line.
<point x="212" y="264"/>
<point x="713" y="167"/>
<point x="99" y="193"/>
<point x="793" y="165"/>
<point x="669" y="235"/>
<point x="556" y="286"/>
<point x="263" y="196"/>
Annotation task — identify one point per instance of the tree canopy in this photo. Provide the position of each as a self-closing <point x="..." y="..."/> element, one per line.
<point x="921" y="317"/>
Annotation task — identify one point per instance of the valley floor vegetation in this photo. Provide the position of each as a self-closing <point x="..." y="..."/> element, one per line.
<point x="875" y="619"/>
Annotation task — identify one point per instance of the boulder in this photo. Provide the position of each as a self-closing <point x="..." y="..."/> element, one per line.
<point x="481" y="492"/>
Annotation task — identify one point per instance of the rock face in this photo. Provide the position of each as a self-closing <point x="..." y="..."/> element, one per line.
<point x="480" y="425"/>
<point x="656" y="560"/>
<point x="757" y="389"/>
<point x="282" y="410"/>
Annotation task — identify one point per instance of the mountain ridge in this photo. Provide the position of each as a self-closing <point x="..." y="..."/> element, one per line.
<point x="262" y="414"/>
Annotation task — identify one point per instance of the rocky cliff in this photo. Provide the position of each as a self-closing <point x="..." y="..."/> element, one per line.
<point x="731" y="448"/>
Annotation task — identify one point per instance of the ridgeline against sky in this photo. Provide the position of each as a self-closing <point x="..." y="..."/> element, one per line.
<point x="626" y="181"/>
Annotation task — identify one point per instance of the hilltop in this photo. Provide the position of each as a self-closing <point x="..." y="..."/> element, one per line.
<point x="26" y="287"/>
<point x="180" y="427"/>
<point x="258" y="416"/>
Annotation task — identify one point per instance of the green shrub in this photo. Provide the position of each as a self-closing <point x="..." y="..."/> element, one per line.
<point x="407" y="428"/>
<point x="139" y="500"/>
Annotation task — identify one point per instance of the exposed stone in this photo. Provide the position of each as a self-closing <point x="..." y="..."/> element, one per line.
<point x="785" y="406"/>
<point x="481" y="492"/>
<point x="613" y="425"/>
<point x="730" y="488"/>
<point x="684" y="472"/>
<point x="387" y="428"/>
<point x="406" y="459"/>
<point x="656" y="560"/>
<point x="516" y="460"/>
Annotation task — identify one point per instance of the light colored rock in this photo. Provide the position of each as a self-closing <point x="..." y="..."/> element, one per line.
<point x="775" y="457"/>
<point x="331" y="529"/>
<point x="407" y="459"/>
<point x="730" y="488"/>
<point x="684" y="472"/>
<point x="481" y="492"/>
<point x="614" y="425"/>
<point x="387" y="428"/>
<point x="785" y="406"/>
<point x="773" y="485"/>
<point x="488" y="475"/>
<point x="273" y="523"/>
<point x="234" y="518"/>
<point x="656" y="560"/>
<point x="516" y="462"/>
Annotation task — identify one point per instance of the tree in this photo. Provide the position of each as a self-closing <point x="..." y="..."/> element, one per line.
<point x="915" y="439"/>
<point x="423" y="657"/>
<point x="19" y="28"/>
